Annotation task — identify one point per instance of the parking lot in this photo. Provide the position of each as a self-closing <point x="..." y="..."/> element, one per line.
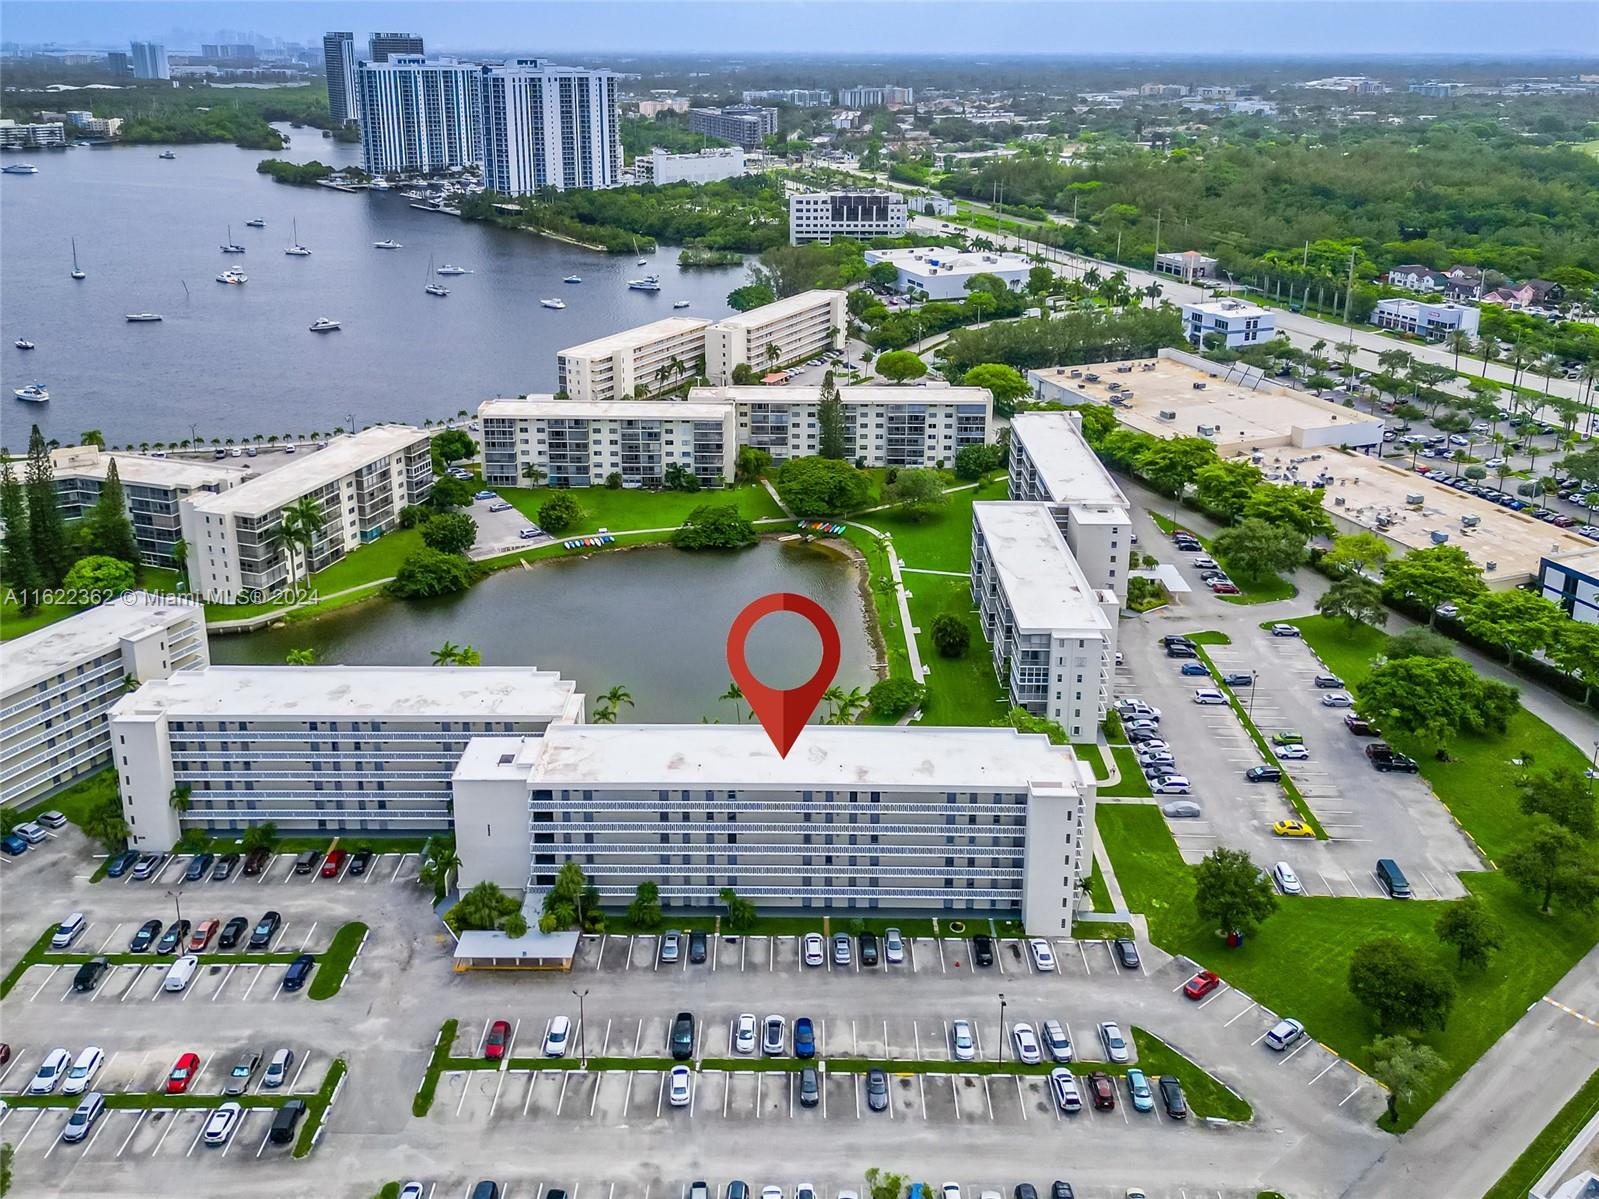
<point x="500" y="532"/>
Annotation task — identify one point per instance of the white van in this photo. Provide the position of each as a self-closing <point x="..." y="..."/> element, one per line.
<point x="68" y="931"/>
<point x="1283" y="1034"/>
<point x="181" y="973"/>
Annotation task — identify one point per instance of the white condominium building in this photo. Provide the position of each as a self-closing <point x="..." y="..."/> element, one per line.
<point x="860" y="215"/>
<point x="152" y="489"/>
<point x="338" y="63"/>
<point x="316" y="748"/>
<point x="940" y="820"/>
<point x="360" y="483"/>
<point x="57" y="685"/>
<point x="418" y="114"/>
<point x="884" y="426"/>
<point x="549" y="126"/>
<point x="1050" y="463"/>
<point x="655" y="357"/>
<point x="1053" y="634"/>
<point x="776" y="334"/>
<point x="867" y="96"/>
<point x="707" y="166"/>
<point x="579" y="443"/>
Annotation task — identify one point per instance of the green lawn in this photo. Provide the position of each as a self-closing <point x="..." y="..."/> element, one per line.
<point x="1206" y="1095"/>
<point x="14" y="624"/>
<point x="941" y="542"/>
<point x="1132" y="783"/>
<point x="74" y="803"/>
<point x="377" y="560"/>
<point x="633" y="508"/>
<point x="1549" y="1143"/>
<point x="961" y="690"/>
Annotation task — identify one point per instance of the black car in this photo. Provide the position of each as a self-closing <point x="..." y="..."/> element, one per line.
<point x="683" y="1037"/>
<point x="359" y="861"/>
<point x="88" y="976"/>
<point x="1181" y="651"/>
<point x="1026" y="1190"/>
<point x="233" y="932"/>
<point x="1238" y="678"/>
<point x="299" y="970"/>
<point x="257" y="860"/>
<point x="1139" y="736"/>
<point x="1171" y="639"/>
<point x="145" y="937"/>
<point x="1263" y="774"/>
<point x="121" y="863"/>
<point x="983" y="949"/>
<point x="1061" y="1190"/>
<point x="738" y="1190"/>
<point x="262" y="936"/>
<point x="1127" y="953"/>
<point x="1171" y="1094"/>
<point x="198" y="865"/>
<point x="877" y="1089"/>
<point x="282" y="1129"/>
<point x="868" y="949"/>
<point x="697" y="949"/>
<point x="810" y="1091"/>
<point x="224" y="868"/>
<point x="307" y="861"/>
<point x="175" y="938"/>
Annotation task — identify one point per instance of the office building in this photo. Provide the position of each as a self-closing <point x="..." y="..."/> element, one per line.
<point x="381" y="47"/>
<point x="417" y="114"/>
<point x="776" y="334"/>
<point x="1572" y="581"/>
<point x="149" y="60"/>
<point x="943" y="273"/>
<point x="929" y="203"/>
<point x="545" y="125"/>
<point x="338" y="60"/>
<point x="1190" y="266"/>
<point x="58" y="683"/>
<point x="652" y="357"/>
<point x="153" y="490"/>
<point x="933" y="820"/>
<point x="581" y="443"/>
<point x="884" y="426"/>
<point x="861" y="215"/>
<point x="1050" y="463"/>
<point x="1052" y="633"/>
<point x="31" y="135"/>
<point x="874" y="96"/>
<point x="316" y="749"/>
<point x="799" y="97"/>
<point x="1424" y="318"/>
<point x="707" y="166"/>
<point x="1237" y="323"/>
<point x="120" y="65"/>
<point x="359" y="482"/>
<point x="744" y="125"/>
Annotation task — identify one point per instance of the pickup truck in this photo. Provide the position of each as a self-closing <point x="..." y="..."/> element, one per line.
<point x="1385" y="758"/>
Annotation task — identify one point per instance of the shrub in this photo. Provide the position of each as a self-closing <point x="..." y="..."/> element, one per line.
<point x="428" y="572"/>
<point x="559" y="513"/>
<point x="449" y="532"/>
<point x="951" y="635"/>
<point x="895" y="697"/>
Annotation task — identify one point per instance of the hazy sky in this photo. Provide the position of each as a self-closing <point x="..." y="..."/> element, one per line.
<point x="954" y="27"/>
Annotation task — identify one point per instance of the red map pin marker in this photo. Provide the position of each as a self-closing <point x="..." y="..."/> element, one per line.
<point x="783" y="713"/>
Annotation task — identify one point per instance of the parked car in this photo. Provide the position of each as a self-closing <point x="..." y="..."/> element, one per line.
<point x="495" y="1043"/>
<point x="1064" y="1087"/>
<point x="1028" y="1050"/>
<point x="359" y="861"/>
<point x="203" y="932"/>
<point x="1238" y="678"/>
<point x="671" y="947"/>
<point x="1195" y="669"/>
<point x="1292" y="828"/>
<point x="149" y="865"/>
<point x="121" y="863"/>
<point x="82" y="1119"/>
<point x="277" y="1071"/>
<point x="266" y="928"/>
<point x="1287" y="881"/>
<point x="1263" y="774"/>
<point x="1171" y="1094"/>
<point x="68" y="931"/>
<point x="893" y="947"/>
<point x="810" y="1087"/>
<point x="1359" y="726"/>
<point x="698" y="949"/>
<point x="963" y="1046"/>
<point x="88" y="975"/>
<point x="815" y="950"/>
<point x="842" y="952"/>
<point x="145" y="937"/>
<point x="1329" y="682"/>
<point x="804" y="1037"/>
<point x="1385" y="758"/>
<point x="306" y="862"/>
<point x="225" y="865"/>
<point x="683" y="1036"/>
<point x="1209" y="695"/>
<point x="281" y="1130"/>
<point x="1172" y="784"/>
<point x="868" y="948"/>
<point x="1337" y="699"/>
<point x="181" y="973"/>
<point x="983" y="949"/>
<point x="1127" y="953"/>
<point x="1043" y="955"/>
<point x="222" y="1123"/>
<point x="1181" y="808"/>
<point x="333" y="863"/>
<point x="175" y="937"/>
<point x="774" y="1031"/>
<point x="1284" y="1033"/>
<point x="1101" y="1091"/>
<point x="877" y="1089"/>
<point x="256" y="860"/>
<point x="199" y="864"/>
<point x="32" y="832"/>
<point x="48" y="1076"/>
<point x="1290" y="753"/>
<point x="558" y="1036"/>
<point x="1284" y="630"/>
<point x="233" y="932"/>
<point x="1110" y="1036"/>
<point x="243" y="1071"/>
<point x="680" y="1088"/>
<point x="1143" y="1098"/>
<point x="744" y="1033"/>
<point x="82" y="1071"/>
<point x="1201" y="985"/>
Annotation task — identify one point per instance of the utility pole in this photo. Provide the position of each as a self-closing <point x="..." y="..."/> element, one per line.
<point x="1349" y="287"/>
<point x="582" y="1029"/>
<point x="1158" y="215"/>
<point x="1002" y="1028"/>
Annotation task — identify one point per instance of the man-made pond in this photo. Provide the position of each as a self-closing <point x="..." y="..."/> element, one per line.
<point x="654" y="620"/>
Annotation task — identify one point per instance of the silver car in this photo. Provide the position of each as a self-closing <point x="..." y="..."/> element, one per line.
<point x="1110" y="1035"/>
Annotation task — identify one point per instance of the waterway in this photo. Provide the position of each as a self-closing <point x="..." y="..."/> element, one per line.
<point x="654" y="620"/>
<point x="237" y="361"/>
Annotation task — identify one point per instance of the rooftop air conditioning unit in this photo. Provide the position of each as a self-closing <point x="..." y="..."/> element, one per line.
<point x="1207" y="430"/>
<point x="1199" y="387"/>
<point x="1167" y="414"/>
<point x="1490" y="566"/>
<point x="1470" y="520"/>
<point x="1415" y="499"/>
<point x="1439" y="536"/>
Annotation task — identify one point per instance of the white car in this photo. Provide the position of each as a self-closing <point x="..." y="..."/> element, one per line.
<point x="1494" y="463"/>
<point x="815" y="950"/>
<point x="1284" y="630"/>
<point x="1064" y="1087"/>
<point x="1140" y="726"/>
<point x="893" y="947"/>
<point x="1204" y="563"/>
<point x="744" y="1033"/>
<point x="1026" y="1042"/>
<point x="962" y="1044"/>
<point x="48" y="1075"/>
<point x="1110" y="1036"/>
<point x="1209" y="695"/>
<point x="556" y="1039"/>
<point x="222" y="1123"/>
<point x="1287" y="881"/>
<point x="1291" y="753"/>
<point x="181" y="973"/>
<point x="413" y="1190"/>
<point x="681" y="1087"/>
<point x="952" y="1190"/>
<point x="1153" y="746"/>
<point x="1337" y="699"/>
<point x="82" y="1071"/>
<point x="1043" y="955"/>
<point x="1172" y="784"/>
<point x="1161" y="757"/>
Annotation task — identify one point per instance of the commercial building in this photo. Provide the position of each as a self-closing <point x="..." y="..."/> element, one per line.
<point x="418" y="114"/>
<point x="380" y="47"/>
<point x="656" y="356"/>
<point x="1050" y="463"/>
<point x="58" y="683"/>
<point x="799" y="97"/>
<point x="878" y="96"/>
<point x="1052" y="633"/>
<point x="315" y="748"/>
<point x="929" y="203"/>
<point x="1190" y="266"/>
<point x="32" y="135"/>
<point x="942" y="273"/>
<point x="338" y="61"/>
<point x="746" y="125"/>
<point x="149" y="60"/>
<point x="580" y="443"/>
<point x="861" y="215"/>
<point x="884" y="426"/>
<point x="153" y="490"/>
<point x="1572" y="581"/>
<point x="789" y="330"/>
<point x="545" y="125"/>
<point x="1236" y="322"/>
<point x="707" y="166"/>
<point x="359" y="482"/>
<point x="937" y="820"/>
<point x="1422" y="318"/>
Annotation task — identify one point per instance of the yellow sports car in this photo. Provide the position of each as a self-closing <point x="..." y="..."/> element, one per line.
<point x="1293" y="828"/>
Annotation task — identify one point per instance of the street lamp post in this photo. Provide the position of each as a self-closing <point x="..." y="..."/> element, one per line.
<point x="582" y="1038"/>
<point x="176" y="906"/>
<point x="1254" y="677"/>
<point x="1002" y="1028"/>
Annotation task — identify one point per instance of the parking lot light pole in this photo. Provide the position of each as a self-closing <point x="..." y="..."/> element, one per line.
<point x="1254" y="677"/>
<point x="177" y="907"/>
<point x="1002" y="1028"/>
<point x="582" y="1030"/>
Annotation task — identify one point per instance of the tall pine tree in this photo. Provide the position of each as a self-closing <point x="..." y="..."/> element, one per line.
<point x="17" y="568"/>
<point x="110" y="531"/>
<point x="47" y="532"/>
<point x="830" y="441"/>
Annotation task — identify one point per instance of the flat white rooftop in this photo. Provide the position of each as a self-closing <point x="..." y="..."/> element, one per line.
<point x="1046" y="588"/>
<point x="929" y="261"/>
<point x="639" y="335"/>
<point x="535" y="407"/>
<point x="1582" y="561"/>
<point x="87" y="461"/>
<point x="826" y="757"/>
<point x="849" y="395"/>
<point x="46" y="652"/>
<point x="757" y="318"/>
<point x="1070" y="470"/>
<point x="348" y="692"/>
<point x="289" y="482"/>
<point x="1229" y="308"/>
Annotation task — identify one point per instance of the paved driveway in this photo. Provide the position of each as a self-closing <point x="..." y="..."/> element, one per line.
<point x="499" y="532"/>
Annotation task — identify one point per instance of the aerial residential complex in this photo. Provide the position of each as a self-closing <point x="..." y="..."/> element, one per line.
<point x="150" y="60"/>
<point x="580" y="443"/>
<point x="941" y="273"/>
<point x="1052" y="633"/>
<point x="418" y="114"/>
<point x="903" y="818"/>
<point x="338" y="61"/>
<point x="799" y="97"/>
<point x="861" y="215"/>
<point x="744" y="125"/>
<point x="874" y="97"/>
<point x="789" y="330"/>
<point x="314" y="748"/>
<point x="655" y="357"/>
<point x="360" y="483"/>
<point x="380" y="47"/>
<point x="61" y="680"/>
<point x="545" y="125"/>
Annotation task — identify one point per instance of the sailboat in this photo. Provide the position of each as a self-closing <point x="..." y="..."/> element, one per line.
<point x="77" y="271"/>
<point x="434" y="289"/>
<point x="294" y="247"/>
<point x="230" y="246"/>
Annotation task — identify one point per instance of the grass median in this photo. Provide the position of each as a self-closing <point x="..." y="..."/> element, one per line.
<point x="1208" y="1097"/>
<point x="422" y="1101"/>
<point x="317" y="1105"/>
<point x="1549" y="1144"/>
<point x="333" y="965"/>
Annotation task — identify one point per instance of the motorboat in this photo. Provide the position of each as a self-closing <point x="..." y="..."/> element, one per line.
<point x="380" y="185"/>
<point x="77" y="271"/>
<point x="436" y="289"/>
<point x="324" y="324"/>
<point x="448" y="269"/>
<point x="387" y="244"/>
<point x="22" y="343"/>
<point x="553" y="303"/>
<point x="642" y="261"/>
<point x="679" y="303"/>
<point x="573" y="279"/>
<point x="167" y="154"/>
<point x="233" y="277"/>
<point x="258" y="223"/>
<point x="34" y="393"/>
<point x="144" y="316"/>
<point x="230" y="246"/>
<point x="19" y="168"/>
<point x="648" y="283"/>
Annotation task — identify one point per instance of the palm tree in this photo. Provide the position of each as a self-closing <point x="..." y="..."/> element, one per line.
<point x="734" y="693"/>
<point x="850" y="705"/>
<point x="301" y="657"/>
<point x="300" y="524"/>
<point x="603" y="714"/>
<point x="774" y="353"/>
<point x="834" y="696"/>
<point x="284" y="537"/>
<point x="532" y="473"/>
<point x="1153" y="292"/>
<point x="616" y="697"/>
<point x="1346" y="350"/>
<point x="178" y="801"/>
<point x="1460" y="343"/>
<point x="1547" y="366"/>
<point x="451" y="654"/>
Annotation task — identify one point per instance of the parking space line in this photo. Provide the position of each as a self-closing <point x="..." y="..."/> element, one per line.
<point x="197" y="1134"/>
<point x="1241" y="1015"/>
<point x="45" y="983"/>
<point x="1288" y="1057"/>
<point x="1349" y="1096"/>
<point x="1224" y="989"/>
<point x="533" y="1081"/>
<point x="42" y="1112"/>
<point x="137" y="1120"/>
<point x="1324" y="1070"/>
<point x="224" y="982"/>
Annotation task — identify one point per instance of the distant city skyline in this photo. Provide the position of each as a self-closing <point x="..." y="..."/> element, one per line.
<point x="960" y="28"/>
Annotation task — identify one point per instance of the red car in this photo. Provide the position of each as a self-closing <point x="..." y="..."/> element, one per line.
<point x="183" y="1073"/>
<point x="333" y="863"/>
<point x="499" y="1036"/>
<point x="1201" y="985"/>
<point x="203" y="932"/>
<point x="1224" y="588"/>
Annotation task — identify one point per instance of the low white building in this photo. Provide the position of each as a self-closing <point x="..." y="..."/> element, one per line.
<point x="929" y="203"/>
<point x="1238" y="323"/>
<point x="789" y="330"/>
<point x="1424" y="318"/>
<point x="1189" y="265"/>
<point x="316" y="749"/>
<point x="706" y="166"/>
<point x="1052" y="633"/>
<point x="360" y="483"/>
<point x="58" y="683"/>
<point x="941" y="273"/>
<point x="1572" y="581"/>
<point x="859" y="215"/>
<point x="579" y="443"/>
<point x="655" y="357"/>
<point x="936" y="820"/>
<point x="26" y="136"/>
